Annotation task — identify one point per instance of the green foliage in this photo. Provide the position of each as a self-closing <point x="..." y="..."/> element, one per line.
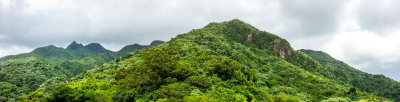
<point x="46" y="67"/>
<point x="95" y="90"/>
<point x="282" y="97"/>
<point x="164" y="62"/>
<point x="7" y="90"/>
<point x="35" y="96"/>
<point x="175" y="91"/>
<point x="223" y="94"/>
<point x="337" y="99"/>
<point x="203" y="82"/>
<point x="125" y="96"/>
<point x="339" y="71"/>
<point x="222" y="62"/>
<point x="28" y="74"/>
<point x="199" y="99"/>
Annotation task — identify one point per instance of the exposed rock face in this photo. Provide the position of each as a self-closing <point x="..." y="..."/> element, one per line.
<point x="282" y="49"/>
<point x="249" y="38"/>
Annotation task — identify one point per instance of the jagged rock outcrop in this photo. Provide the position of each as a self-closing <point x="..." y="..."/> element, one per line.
<point x="249" y="38"/>
<point x="281" y="48"/>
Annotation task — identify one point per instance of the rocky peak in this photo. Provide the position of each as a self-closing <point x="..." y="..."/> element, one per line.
<point x="74" y="46"/>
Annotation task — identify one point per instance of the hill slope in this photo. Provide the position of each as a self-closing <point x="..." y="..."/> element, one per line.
<point x="335" y="69"/>
<point x="50" y="65"/>
<point x="133" y="47"/>
<point x="228" y="61"/>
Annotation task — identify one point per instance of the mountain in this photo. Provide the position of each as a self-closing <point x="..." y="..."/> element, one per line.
<point x="222" y="62"/>
<point x="133" y="47"/>
<point x="340" y="71"/>
<point x="96" y="47"/>
<point x="130" y="48"/>
<point x="49" y="65"/>
<point x="74" y="46"/>
<point x="156" y="42"/>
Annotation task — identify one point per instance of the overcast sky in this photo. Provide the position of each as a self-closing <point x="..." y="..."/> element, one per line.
<point x="362" y="33"/>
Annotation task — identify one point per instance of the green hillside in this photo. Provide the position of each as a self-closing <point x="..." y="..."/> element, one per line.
<point x="222" y="62"/>
<point x="48" y="66"/>
<point x="337" y="70"/>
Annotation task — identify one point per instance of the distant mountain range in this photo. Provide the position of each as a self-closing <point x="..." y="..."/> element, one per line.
<point x="23" y="73"/>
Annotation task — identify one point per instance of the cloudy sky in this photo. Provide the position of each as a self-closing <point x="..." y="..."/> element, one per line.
<point x="363" y="33"/>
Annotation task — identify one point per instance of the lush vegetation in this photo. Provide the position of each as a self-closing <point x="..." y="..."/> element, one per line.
<point x="222" y="62"/>
<point x="337" y="70"/>
<point x="49" y="66"/>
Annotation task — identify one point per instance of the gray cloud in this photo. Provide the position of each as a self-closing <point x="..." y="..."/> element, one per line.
<point x="316" y="18"/>
<point x="127" y="22"/>
<point x="379" y="16"/>
<point x="361" y="33"/>
<point x="390" y="70"/>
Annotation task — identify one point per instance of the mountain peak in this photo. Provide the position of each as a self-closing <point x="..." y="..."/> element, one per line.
<point x="130" y="48"/>
<point x="156" y="42"/>
<point x="74" y="46"/>
<point x="96" y="47"/>
<point x="241" y="32"/>
<point x="236" y="20"/>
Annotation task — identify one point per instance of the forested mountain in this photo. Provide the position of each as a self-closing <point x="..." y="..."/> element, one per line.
<point x="130" y="48"/>
<point x="50" y="65"/>
<point x="222" y="62"/>
<point x="340" y="71"/>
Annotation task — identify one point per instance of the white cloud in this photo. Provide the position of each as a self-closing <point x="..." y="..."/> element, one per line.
<point x="13" y="50"/>
<point x="361" y="47"/>
<point x="380" y="16"/>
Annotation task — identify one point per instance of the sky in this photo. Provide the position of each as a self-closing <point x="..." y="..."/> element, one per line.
<point x="363" y="33"/>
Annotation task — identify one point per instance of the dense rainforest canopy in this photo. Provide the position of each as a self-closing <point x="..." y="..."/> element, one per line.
<point x="48" y="66"/>
<point x="222" y="62"/>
